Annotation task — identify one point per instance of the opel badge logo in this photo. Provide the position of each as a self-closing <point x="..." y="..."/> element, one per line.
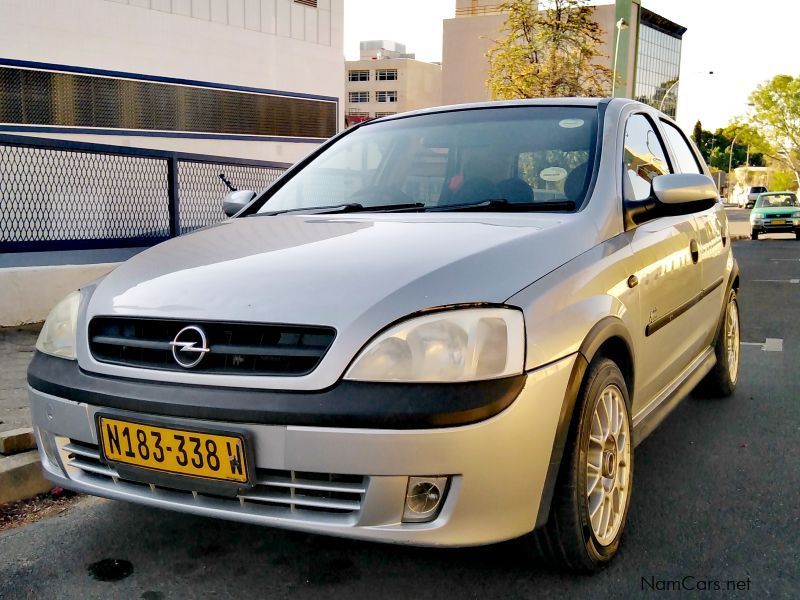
<point x="189" y="346"/>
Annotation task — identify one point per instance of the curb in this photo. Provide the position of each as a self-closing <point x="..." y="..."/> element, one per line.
<point x="20" y="466"/>
<point x="21" y="477"/>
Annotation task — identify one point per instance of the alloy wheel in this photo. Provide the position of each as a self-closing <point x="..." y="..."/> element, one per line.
<point x="608" y="465"/>
<point x="732" y="340"/>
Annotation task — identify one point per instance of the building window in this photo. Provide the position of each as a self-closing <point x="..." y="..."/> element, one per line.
<point x="359" y="96"/>
<point x="384" y="114"/>
<point x="658" y="62"/>
<point x="40" y="97"/>
<point x="358" y="75"/>
<point x="357" y="113"/>
<point x="311" y="3"/>
<point x="386" y="96"/>
<point x="386" y="75"/>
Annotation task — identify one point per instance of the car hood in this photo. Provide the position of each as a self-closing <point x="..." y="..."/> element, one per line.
<point x="354" y="273"/>
<point x="777" y="210"/>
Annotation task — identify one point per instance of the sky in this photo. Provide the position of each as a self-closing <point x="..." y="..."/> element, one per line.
<point x="743" y="42"/>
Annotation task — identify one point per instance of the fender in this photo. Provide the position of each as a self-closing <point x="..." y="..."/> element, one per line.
<point x="603" y="330"/>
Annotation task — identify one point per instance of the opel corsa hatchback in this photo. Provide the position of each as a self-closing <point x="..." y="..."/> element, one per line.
<point x="444" y="328"/>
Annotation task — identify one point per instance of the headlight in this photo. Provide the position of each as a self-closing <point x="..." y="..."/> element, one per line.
<point x="796" y="215"/>
<point x="457" y="345"/>
<point x="58" y="334"/>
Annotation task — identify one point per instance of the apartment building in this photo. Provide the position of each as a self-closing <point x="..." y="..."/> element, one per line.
<point x="244" y="78"/>
<point x="647" y="57"/>
<point x="387" y="80"/>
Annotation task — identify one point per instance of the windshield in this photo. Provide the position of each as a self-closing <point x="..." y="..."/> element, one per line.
<point x="776" y="200"/>
<point x="532" y="157"/>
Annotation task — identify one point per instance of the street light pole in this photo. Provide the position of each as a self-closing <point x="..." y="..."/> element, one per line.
<point x="621" y="24"/>
<point x="664" y="97"/>
<point x="677" y="81"/>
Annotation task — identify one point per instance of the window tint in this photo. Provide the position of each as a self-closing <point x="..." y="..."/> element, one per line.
<point x="644" y="158"/>
<point x="517" y="154"/>
<point x="554" y="174"/>
<point x="687" y="163"/>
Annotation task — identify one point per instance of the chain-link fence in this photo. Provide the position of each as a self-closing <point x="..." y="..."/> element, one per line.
<point x="59" y="195"/>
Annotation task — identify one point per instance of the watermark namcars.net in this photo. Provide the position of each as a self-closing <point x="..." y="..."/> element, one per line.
<point x="689" y="583"/>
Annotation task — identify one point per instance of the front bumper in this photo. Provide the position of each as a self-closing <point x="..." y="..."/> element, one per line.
<point x="789" y="225"/>
<point x="499" y="467"/>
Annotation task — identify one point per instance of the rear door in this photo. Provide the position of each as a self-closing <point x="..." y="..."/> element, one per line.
<point x="669" y="277"/>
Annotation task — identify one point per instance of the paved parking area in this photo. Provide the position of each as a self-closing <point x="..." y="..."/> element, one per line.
<point x="715" y="500"/>
<point x="16" y="351"/>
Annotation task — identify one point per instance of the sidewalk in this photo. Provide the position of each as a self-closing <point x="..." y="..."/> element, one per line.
<point x="16" y="351"/>
<point x="20" y="469"/>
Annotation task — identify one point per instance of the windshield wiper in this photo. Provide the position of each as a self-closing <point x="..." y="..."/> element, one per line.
<point x="503" y="205"/>
<point x="349" y="207"/>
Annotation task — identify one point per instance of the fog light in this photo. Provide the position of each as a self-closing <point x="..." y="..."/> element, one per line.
<point x="424" y="498"/>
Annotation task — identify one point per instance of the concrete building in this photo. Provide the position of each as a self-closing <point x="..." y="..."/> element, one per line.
<point x="648" y="56"/>
<point x="388" y="80"/>
<point x="244" y="78"/>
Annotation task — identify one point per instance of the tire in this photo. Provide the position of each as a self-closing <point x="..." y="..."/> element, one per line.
<point x="569" y="538"/>
<point x="797" y="235"/>
<point x="720" y="382"/>
<point x="753" y="235"/>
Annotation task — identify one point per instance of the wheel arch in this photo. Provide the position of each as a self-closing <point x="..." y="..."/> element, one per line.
<point x="608" y="338"/>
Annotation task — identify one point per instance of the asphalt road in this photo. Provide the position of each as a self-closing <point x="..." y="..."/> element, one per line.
<point x="715" y="499"/>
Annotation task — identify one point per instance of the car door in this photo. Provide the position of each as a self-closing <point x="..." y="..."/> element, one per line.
<point x="712" y="235"/>
<point x="668" y="274"/>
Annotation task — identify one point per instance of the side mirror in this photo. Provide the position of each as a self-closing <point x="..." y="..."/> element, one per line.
<point x="236" y="201"/>
<point x="673" y="194"/>
<point x="684" y="188"/>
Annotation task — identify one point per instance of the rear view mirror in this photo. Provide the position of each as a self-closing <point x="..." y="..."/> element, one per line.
<point x="236" y="201"/>
<point x="684" y="188"/>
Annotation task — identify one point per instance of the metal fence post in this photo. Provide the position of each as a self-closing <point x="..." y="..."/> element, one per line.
<point x="173" y="194"/>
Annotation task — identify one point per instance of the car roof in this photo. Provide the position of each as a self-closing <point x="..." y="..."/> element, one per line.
<point x="582" y="102"/>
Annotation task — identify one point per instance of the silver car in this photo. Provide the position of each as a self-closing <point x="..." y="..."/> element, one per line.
<point x="444" y="328"/>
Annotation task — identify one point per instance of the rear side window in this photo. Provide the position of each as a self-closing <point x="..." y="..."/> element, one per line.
<point x="687" y="162"/>
<point x="644" y="158"/>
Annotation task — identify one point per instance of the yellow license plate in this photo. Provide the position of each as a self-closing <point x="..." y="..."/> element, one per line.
<point x="778" y="222"/>
<point x="207" y="455"/>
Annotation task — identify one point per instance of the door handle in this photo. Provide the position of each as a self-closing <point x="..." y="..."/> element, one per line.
<point x="694" y="249"/>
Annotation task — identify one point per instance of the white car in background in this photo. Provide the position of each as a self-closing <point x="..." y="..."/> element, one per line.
<point x="747" y="197"/>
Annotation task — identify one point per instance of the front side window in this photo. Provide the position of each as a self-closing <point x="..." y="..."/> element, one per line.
<point x="538" y="158"/>
<point x="687" y="162"/>
<point x="644" y="158"/>
<point x="386" y="96"/>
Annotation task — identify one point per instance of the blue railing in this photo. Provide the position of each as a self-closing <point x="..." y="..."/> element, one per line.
<point x="57" y="194"/>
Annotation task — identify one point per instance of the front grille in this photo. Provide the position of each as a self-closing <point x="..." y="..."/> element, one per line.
<point x="287" y="494"/>
<point x="233" y="348"/>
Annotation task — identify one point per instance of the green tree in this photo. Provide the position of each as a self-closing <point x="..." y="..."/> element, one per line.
<point x="783" y="180"/>
<point x="776" y="117"/>
<point x="548" y="50"/>
<point x="716" y="147"/>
